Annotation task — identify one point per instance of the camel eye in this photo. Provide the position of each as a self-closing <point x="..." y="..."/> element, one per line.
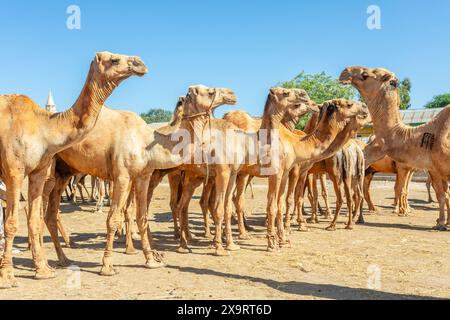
<point x="393" y="83"/>
<point x="365" y="76"/>
<point x="115" y="62"/>
<point x="286" y="94"/>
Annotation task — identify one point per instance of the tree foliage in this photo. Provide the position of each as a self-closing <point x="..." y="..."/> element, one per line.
<point x="320" y="88"/>
<point x="404" y="91"/>
<point x="156" y="115"/>
<point x="439" y="101"/>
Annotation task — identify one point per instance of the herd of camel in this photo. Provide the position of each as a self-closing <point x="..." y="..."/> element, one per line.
<point x="118" y="146"/>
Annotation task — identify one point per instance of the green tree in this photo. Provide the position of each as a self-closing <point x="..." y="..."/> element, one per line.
<point x="439" y="101"/>
<point x="404" y="91"/>
<point x="320" y="87"/>
<point x="156" y="115"/>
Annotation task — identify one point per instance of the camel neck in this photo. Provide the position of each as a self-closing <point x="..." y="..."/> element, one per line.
<point x="400" y="140"/>
<point x="71" y="126"/>
<point x="328" y="137"/>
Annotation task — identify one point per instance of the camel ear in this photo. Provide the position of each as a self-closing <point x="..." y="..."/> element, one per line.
<point x="98" y="57"/>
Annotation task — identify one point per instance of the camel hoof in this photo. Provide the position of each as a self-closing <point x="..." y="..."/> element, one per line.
<point x="331" y="228"/>
<point x="9" y="283"/>
<point x="273" y="249"/>
<point x="7" y="279"/>
<point x="182" y="250"/>
<point x="208" y="236"/>
<point x="440" y="227"/>
<point x="108" y="271"/>
<point x="131" y="251"/>
<point x="285" y="244"/>
<point x="72" y="245"/>
<point x="64" y="263"/>
<point x="312" y="220"/>
<point x="233" y="247"/>
<point x="303" y="229"/>
<point x="46" y="273"/>
<point x="152" y="264"/>
<point x="220" y="252"/>
<point x="349" y="227"/>
<point x="245" y="236"/>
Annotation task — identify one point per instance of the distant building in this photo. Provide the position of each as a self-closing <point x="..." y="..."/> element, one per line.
<point x="50" y="106"/>
<point x="411" y="117"/>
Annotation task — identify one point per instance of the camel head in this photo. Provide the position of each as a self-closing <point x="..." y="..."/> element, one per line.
<point x="115" y="68"/>
<point x="344" y="113"/>
<point x="371" y="82"/>
<point x="290" y="103"/>
<point x="178" y="112"/>
<point x="201" y="99"/>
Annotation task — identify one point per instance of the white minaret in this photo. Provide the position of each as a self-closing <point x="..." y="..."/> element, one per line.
<point x="50" y="106"/>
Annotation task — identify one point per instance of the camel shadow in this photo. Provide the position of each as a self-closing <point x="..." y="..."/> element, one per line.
<point x="323" y="291"/>
<point x="397" y="226"/>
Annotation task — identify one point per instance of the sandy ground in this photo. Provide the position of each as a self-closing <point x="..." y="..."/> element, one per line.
<point x="388" y="258"/>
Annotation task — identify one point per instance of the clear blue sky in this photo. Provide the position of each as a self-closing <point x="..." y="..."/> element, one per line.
<point x="247" y="45"/>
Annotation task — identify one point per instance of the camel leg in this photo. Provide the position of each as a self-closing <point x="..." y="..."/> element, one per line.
<point x="182" y="212"/>
<point x="153" y="257"/>
<point x="400" y="192"/>
<point x="204" y="205"/>
<point x="349" y="198"/>
<point x="299" y="200"/>
<point x="36" y="181"/>
<point x="367" y="194"/>
<point x="337" y="190"/>
<point x="272" y="196"/>
<point x="441" y="189"/>
<point x="155" y="180"/>
<point x="293" y="178"/>
<point x="52" y="218"/>
<point x="428" y="184"/>
<point x="282" y="241"/>
<point x="120" y="194"/>
<point x="229" y="185"/>
<point x="312" y="185"/>
<point x="129" y="221"/>
<point x="175" y="198"/>
<point x="323" y="185"/>
<point x="13" y="187"/>
<point x="101" y="197"/>
<point x="241" y="183"/>
<point x="408" y="182"/>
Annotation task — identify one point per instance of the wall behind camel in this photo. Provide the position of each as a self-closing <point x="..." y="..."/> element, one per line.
<point x="246" y="45"/>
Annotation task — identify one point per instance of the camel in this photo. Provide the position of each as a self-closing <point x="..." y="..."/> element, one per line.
<point x="108" y="154"/>
<point x="338" y="121"/>
<point x="404" y="175"/>
<point x="30" y="137"/>
<point x="425" y="147"/>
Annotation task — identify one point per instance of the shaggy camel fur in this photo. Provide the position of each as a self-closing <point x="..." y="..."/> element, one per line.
<point x="425" y="147"/>
<point x="338" y="121"/>
<point x="128" y="165"/>
<point x="31" y="136"/>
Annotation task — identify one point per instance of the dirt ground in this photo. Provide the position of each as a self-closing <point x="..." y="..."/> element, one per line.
<point x="388" y="258"/>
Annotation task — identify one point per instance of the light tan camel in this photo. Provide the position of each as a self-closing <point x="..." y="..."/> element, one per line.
<point x="128" y="165"/>
<point x="425" y="147"/>
<point x="278" y="101"/>
<point x="338" y="121"/>
<point x="31" y="136"/>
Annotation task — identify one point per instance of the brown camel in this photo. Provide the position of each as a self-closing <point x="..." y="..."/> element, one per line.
<point x="108" y="154"/>
<point x="425" y="147"/>
<point x="338" y="121"/>
<point x="31" y="136"/>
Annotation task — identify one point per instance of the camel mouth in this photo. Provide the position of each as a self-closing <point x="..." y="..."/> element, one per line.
<point x="345" y="77"/>
<point x="140" y="71"/>
<point x="230" y="101"/>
